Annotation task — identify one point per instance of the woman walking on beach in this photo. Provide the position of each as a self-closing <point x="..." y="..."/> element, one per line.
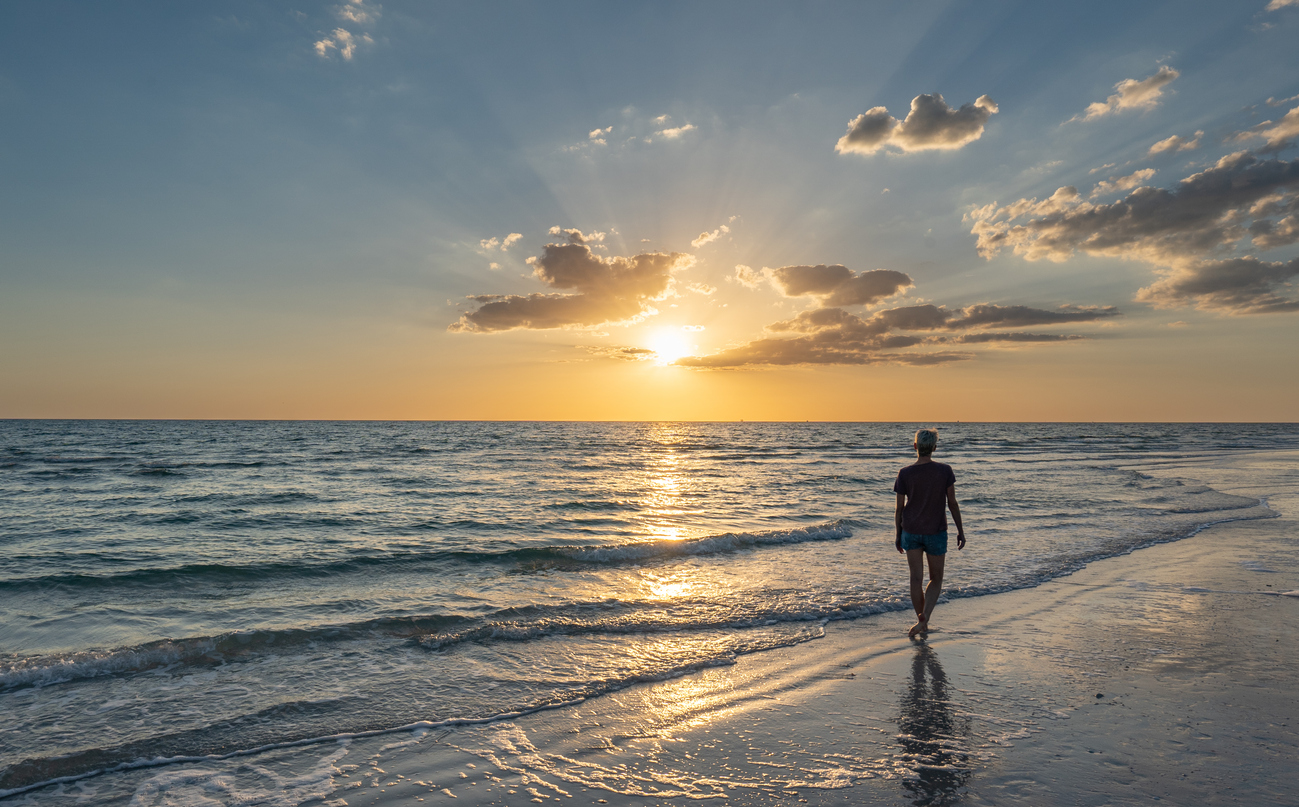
<point x="926" y="491"/>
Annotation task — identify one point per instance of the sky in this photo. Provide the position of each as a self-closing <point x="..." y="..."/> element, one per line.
<point x="927" y="211"/>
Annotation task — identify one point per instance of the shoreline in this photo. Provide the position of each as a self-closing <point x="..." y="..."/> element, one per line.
<point x="998" y="705"/>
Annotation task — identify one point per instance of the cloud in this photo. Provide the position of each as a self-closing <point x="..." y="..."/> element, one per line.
<point x="1282" y="101"/>
<point x="1277" y="5"/>
<point x="838" y="285"/>
<point x="986" y="315"/>
<point x="1126" y="183"/>
<point x="931" y="124"/>
<point x="983" y="338"/>
<point x="621" y="353"/>
<point x="835" y="336"/>
<point x="608" y="290"/>
<point x="1063" y="199"/>
<point x="1277" y="134"/>
<point x="358" y="12"/>
<point x="675" y="132"/>
<point x="708" y="238"/>
<point x="503" y="244"/>
<point x="746" y="276"/>
<point x="1203" y="214"/>
<point x="1132" y="94"/>
<point x="702" y="288"/>
<point x="576" y="236"/>
<point x="1187" y="233"/>
<point x="597" y="135"/>
<point x="1175" y="143"/>
<point x="1235" y="286"/>
<point x="1267" y="234"/>
<point x="341" y="40"/>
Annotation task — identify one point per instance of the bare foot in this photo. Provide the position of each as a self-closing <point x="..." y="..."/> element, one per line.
<point x="922" y="626"/>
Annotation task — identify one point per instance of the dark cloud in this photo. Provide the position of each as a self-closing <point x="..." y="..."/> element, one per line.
<point x="608" y="290"/>
<point x="1267" y="234"/>
<point x="838" y="285"/>
<point x="1188" y="232"/>
<point x="1015" y="336"/>
<point x="835" y="336"/>
<point x="1238" y="286"/>
<point x="985" y="315"/>
<point x="931" y="124"/>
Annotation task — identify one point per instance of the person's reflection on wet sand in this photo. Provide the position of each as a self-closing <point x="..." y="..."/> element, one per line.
<point x="932" y="734"/>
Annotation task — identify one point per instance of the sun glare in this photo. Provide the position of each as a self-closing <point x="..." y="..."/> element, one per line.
<point x="669" y="344"/>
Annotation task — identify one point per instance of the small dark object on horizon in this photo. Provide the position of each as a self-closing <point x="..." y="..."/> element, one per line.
<point x="1099" y="695"/>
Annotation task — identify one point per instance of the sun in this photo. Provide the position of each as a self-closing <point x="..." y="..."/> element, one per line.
<point x="669" y="344"/>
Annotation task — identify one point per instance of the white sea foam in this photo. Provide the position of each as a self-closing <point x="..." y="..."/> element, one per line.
<point x="728" y="542"/>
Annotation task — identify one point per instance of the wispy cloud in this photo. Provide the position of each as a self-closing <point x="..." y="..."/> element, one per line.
<point x="342" y="40"/>
<point x="1277" y="5"/>
<point x="746" y="276"/>
<point x="1175" y="143"/>
<point x="674" y="132"/>
<point x="503" y="244"/>
<point x="631" y="131"/>
<point x="1132" y="94"/>
<point x="576" y="236"/>
<point x="1278" y="134"/>
<point x="1126" y="183"/>
<point x="357" y="11"/>
<point x="931" y="124"/>
<point x="709" y="237"/>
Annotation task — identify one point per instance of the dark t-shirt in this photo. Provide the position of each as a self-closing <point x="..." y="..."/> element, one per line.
<point x="925" y="486"/>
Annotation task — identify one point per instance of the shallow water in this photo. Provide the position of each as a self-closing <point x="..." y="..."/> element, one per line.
<point x="189" y="588"/>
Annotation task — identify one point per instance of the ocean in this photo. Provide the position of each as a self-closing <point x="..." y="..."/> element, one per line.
<point x="178" y="590"/>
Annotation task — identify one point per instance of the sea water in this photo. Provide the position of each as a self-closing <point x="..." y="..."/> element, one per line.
<point x="174" y="590"/>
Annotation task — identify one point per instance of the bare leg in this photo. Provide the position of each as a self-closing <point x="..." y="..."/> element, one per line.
<point x="935" y="586"/>
<point x="916" y="563"/>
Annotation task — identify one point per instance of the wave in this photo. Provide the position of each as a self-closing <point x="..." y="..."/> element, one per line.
<point x="714" y="544"/>
<point x="431" y="631"/>
<point x="532" y="557"/>
<point x="530" y="630"/>
<point x="202" y="651"/>
<point x="247" y="732"/>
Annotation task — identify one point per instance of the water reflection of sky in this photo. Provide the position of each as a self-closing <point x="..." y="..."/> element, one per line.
<point x="933" y="734"/>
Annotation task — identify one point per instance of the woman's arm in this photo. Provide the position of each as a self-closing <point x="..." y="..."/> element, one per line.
<point x="897" y="521"/>
<point x="956" y="516"/>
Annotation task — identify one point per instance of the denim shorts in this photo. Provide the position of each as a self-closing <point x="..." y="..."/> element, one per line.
<point x="935" y="544"/>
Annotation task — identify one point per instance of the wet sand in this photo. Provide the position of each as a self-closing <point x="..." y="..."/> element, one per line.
<point x="1163" y="675"/>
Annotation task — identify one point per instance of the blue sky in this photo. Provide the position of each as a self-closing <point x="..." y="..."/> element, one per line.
<point x="278" y="210"/>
